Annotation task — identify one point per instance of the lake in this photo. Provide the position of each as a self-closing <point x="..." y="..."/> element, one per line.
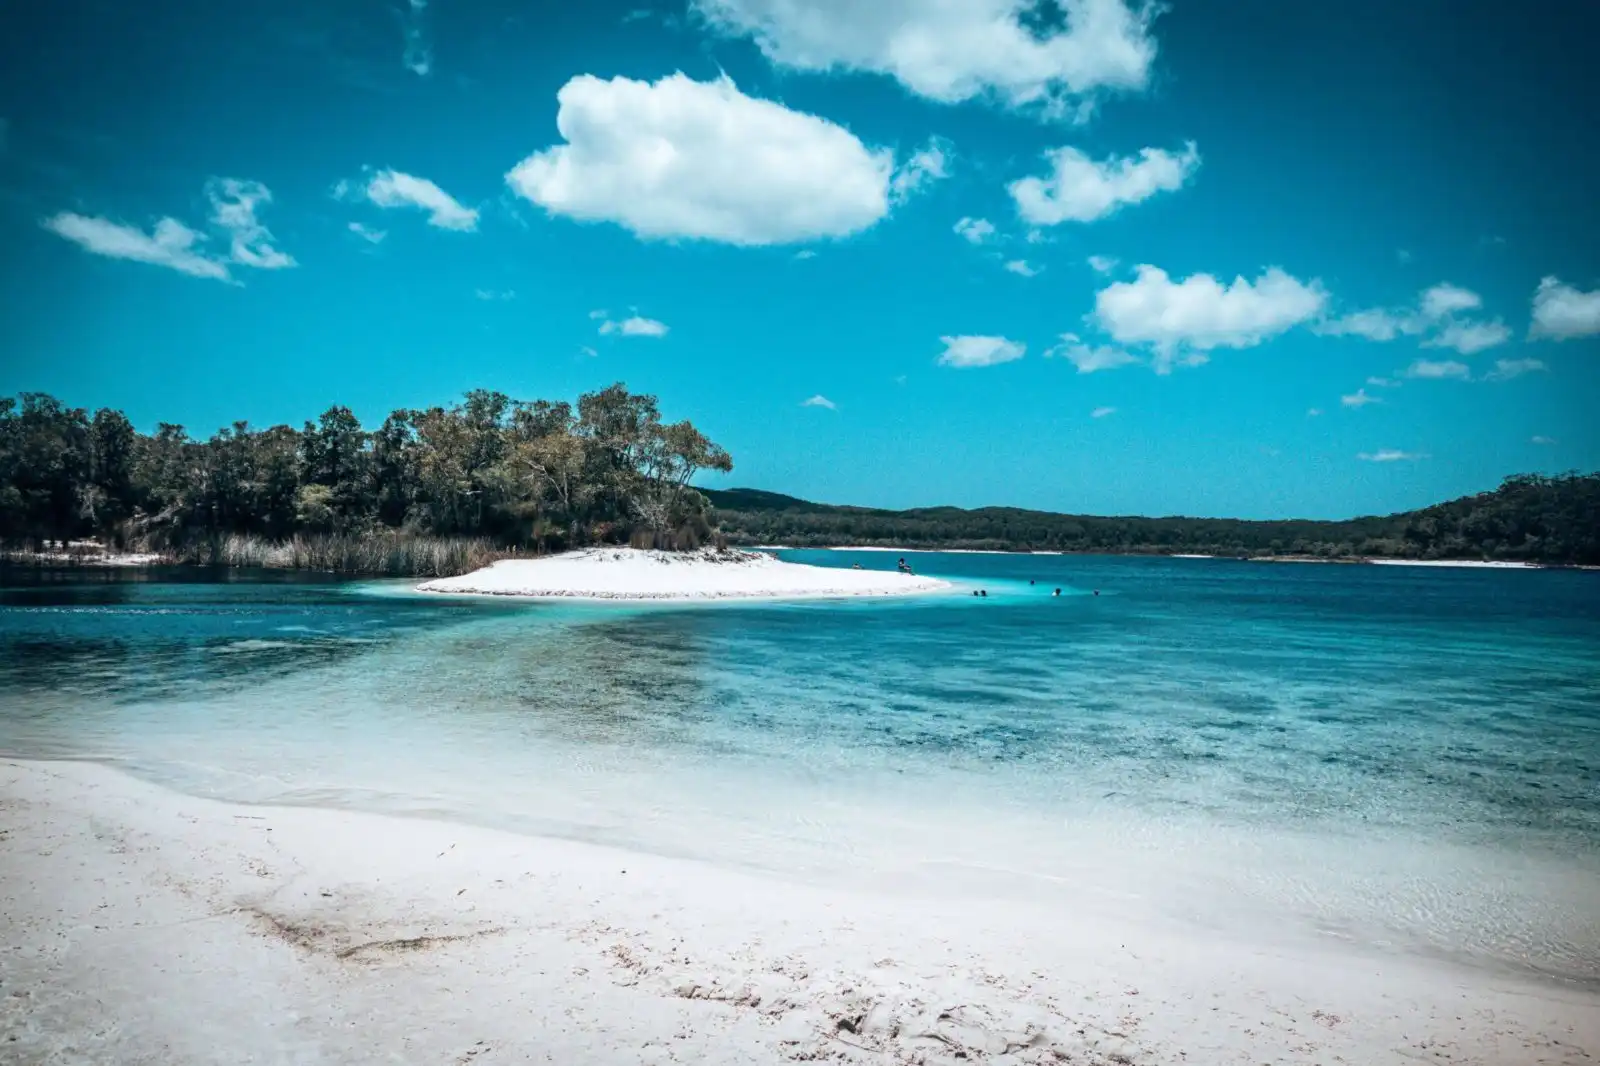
<point x="1404" y="759"/>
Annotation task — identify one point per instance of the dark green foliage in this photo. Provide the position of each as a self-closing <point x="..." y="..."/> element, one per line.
<point x="1529" y="518"/>
<point x="487" y="474"/>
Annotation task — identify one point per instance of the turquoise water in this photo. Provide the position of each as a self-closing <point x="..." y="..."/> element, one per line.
<point x="1405" y="759"/>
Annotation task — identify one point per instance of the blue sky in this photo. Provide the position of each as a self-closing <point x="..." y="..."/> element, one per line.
<point x="1083" y="257"/>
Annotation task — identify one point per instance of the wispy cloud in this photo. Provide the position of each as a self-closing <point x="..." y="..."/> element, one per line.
<point x="1089" y="358"/>
<point x="1314" y="412"/>
<point x="1102" y="264"/>
<point x="495" y="294"/>
<point x="233" y="208"/>
<point x="1506" y="369"/>
<point x="924" y="167"/>
<point x="1023" y="267"/>
<point x="1391" y="455"/>
<point x="1436" y="315"/>
<point x="1081" y="189"/>
<point x="371" y="236"/>
<point x="1541" y="439"/>
<point x="418" y="55"/>
<point x="1359" y="398"/>
<point x="1469" y="338"/>
<point x="975" y="230"/>
<point x="820" y="400"/>
<point x="805" y="253"/>
<point x="588" y="351"/>
<point x="1101" y="412"/>
<point x="1439" y="370"/>
<point x="1383" y="383"/>
<point x="391" y="189"/>
<point x="171" y="244"/>
<point x="973" y="351"/>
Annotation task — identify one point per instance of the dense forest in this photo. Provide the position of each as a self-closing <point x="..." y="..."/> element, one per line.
<point x="1553" y="520"/>
<point x="428" y="491"/>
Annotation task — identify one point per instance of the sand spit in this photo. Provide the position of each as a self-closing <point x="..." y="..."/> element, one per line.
<point x="146" y="926"/>
<point x="632" y="574"/>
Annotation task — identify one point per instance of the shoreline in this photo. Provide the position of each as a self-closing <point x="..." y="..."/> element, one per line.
<point x="296" y="921"/>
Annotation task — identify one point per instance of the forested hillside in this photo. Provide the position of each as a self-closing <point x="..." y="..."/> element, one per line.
<point x="489" y="472"/>
<point x="1529" y="518"/>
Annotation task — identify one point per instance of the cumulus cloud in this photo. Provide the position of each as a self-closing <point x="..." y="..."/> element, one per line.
<point x="1390" y="455"/>
<point x="926" y="166"/>
<point x="1102" y="264"/>
<point x="1506" y="369"/>
<point x="678" y="158"/>
<point x="391" y="188"/>
<point x="820" y="400"/>
<point x="1439" y="369"/>
<point x="1023" y="267"/>
<point x="1101" y="412"/>
<point x="950" y="52"/>
<point x="1469" y="338"/>
<point x="969" y="351"/>
<point x="632" y="326"/>
<point x="1435" y="315"/>
<point x="366" y="233"/>
<point x="171" y="244"/>
<point x="975" y="230"/>
<point x="1089" y="358"/>
<point x="1561" y="312"/>
<point x="1359" y="398"/>
<point x="233" y="208"/>
<point x="1181" y="320"/>
<point x="1081" y="189"/>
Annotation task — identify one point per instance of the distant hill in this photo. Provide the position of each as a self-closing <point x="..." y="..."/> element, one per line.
<point x="1531" y="518"/>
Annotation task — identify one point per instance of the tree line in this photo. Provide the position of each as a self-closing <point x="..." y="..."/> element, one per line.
<point x="539" y="475"/>
<point x="1529" y="518"/>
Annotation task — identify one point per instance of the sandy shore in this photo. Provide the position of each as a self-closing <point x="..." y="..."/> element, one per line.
<point x="142" y="926"/>
<point x="630" y="574"/>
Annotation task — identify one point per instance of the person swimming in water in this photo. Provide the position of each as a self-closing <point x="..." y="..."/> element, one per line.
<point x="1057" y="592"/>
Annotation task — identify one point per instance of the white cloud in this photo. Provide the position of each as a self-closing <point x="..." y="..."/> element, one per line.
<point x="805" y="253"/>
<point x="1102" y="264"/>
<point x="597" y="315"/>
<point x="391" y="188"/>
<point x="1542" y="440"/>
<point x="1390" y="455"/>
<point x="1402" y="255"/>
<point x="976" y="230"/>
<point x="979" y="351"/>
<point x="371" y="236"/>
<point x="678" y="158"/>
<point x="1506" y="369"/>
<point x="495" y="294"/>
<point x="1383" y="383"/>
<point x="1375" y="324"/>
<point x="1023" y="267"/>
<point x="820" y="400"/>
<point x="1080" y="189"/>
<point x="1359" y="398"/>
<point x="1101" y="412"/>
<point x="1314" y="412"/>
<point x="588" y="351"/>
<point x="1446" y="299"/>
<point x="418" y="56"/>
<point x="633" y="326"/>
<point x="1089" y="358"/>
<point x="1200" y="313"/>
<point x="926" y="166"/>
<point x="172" y="244"/>
<point x="951" y="52"/>
<point x="1561" y="312"/>
<point x="1469" y="338"/>
<point x="1439" y="369"/>
<point x="233" y="208"/>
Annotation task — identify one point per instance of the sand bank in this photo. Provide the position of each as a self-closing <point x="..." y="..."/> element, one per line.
<point x="146" y="926"/>
<point x="630" y="574"/>
<point x="1475" y="564"/>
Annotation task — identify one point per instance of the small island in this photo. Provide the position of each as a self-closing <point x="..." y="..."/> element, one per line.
<point x="708" y="574"/>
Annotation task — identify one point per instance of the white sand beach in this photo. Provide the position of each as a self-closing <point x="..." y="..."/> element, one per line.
<point x="144" y="926"/>
<point x="632" y="574"/>
<point x="1472" y="564"/>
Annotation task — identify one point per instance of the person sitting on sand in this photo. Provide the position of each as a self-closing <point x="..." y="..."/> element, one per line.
<point x="904" y="569"/>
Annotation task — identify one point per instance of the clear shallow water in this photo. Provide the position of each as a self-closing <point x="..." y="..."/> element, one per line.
<point x="1400" y="757"/>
